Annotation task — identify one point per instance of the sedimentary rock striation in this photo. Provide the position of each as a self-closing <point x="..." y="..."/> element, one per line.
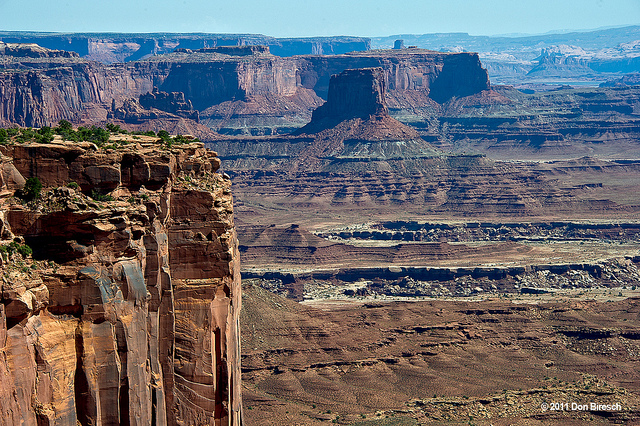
<point x="354" y="93"/>
<point x="353" y="154"/>
<point x="235" y="90"/>
<point x="438" y="361"/>
<point x="127" y="312"/>
<point x="32" y="50"/>
<point x="112" y="47"/>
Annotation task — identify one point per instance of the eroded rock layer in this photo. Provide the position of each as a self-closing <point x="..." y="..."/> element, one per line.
<point x="128" y="311"/>
<point x="130" y="47"/>
<point x="235" y="91"/>
<point x="359" y="158"/>
<point x="438" y="362"/>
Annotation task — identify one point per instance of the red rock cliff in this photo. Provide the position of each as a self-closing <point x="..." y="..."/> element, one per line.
<point x="354" y="93"/>
<point x="257" y="91"/>
<point x="127" y="312"/>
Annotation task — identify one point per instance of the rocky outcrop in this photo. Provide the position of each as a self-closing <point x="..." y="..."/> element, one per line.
<point x="632" y="79"/>
<point x="152" y="106"/>
<point x="354" y="93"/>
<point x="408" y="72"/>
<point x="127" y="312"/>
<point x="173" y="103"/>
<point x="109" y="48"/>
<point x="561" y="61"/>
<point x="32" y="50"/>
<point x="234" y="92"/>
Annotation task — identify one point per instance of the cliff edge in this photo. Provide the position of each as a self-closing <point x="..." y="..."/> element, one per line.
<point x="120" y="285"/>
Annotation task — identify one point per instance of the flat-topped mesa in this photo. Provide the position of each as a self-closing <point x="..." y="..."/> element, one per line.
<point x="237" y="50"/>
<point x="356" y="110"/>
<point x="127" y="312"/>
<point x="354" y="93"/>
<point x="173" y="103"/>
<point x="235" y="89"/>
<point x="32" y="50"/>
<point x="354" y="131"/>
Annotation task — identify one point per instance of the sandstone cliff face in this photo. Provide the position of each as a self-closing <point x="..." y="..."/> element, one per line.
<point x="43" y="93"/>
<point x="435" y="75"/>
<point x="31" y="50"/>
<point x="354" y="155"/>
<point x="110" y="48"/>
<point x="234" y="92"/>
<point x="354" y="93"/>
<point x="128" y="312"/>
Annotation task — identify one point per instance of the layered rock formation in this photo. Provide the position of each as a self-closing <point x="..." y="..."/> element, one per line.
<point x="353" y="157"/>
<point x="357" y="93"/>
<point x="152" y="106"/>
<point x="234" y="92"/>
<point x="578" y="56"/>
<point x="110" y="48"/>
<point x="559" y="124"/>
<point x="32" y="50"/>
<point x="174" y="103"/>
<point x="128" y="311"/>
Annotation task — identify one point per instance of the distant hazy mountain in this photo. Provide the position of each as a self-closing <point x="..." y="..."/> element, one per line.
<point x="587" y="56"/>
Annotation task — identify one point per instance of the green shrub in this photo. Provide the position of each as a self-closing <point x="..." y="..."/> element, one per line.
<point x="100" y="197"/>
<point x="65" y="129"/>
<point x="26" y="135"/>
<point x="45" y="135"/>
<point x="64" y="126"/>
<point x="179" y="139"/>
<point x="73" y="185"/>
<point x="4" y="136"/>
<point x="116" y="129"/>
<point x="31" y="189"/>
<point x="14" y="247"/>
<point x="24" y="250"/>
<point x="98" y="135"/>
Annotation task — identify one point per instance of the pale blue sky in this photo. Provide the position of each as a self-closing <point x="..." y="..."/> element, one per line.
<point x="299" y="18"/>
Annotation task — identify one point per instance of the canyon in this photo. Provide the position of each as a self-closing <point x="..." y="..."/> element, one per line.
<point x="114" y="47"/>
<point x="544" y="61"/>
<point x="419" y="245"/>
<point x="515" y="266"/>
<point x="236" y="90"/>
<point x="119" y="308"/>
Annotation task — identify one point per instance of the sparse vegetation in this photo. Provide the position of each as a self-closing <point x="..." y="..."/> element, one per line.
<point x="115" y="129"/>
<point x="31" y="190"/>
<point x="98" y="135"/>
<point x="15" y="247"/>
<point x="147" y="133"/>
<point x="97" y="196"/>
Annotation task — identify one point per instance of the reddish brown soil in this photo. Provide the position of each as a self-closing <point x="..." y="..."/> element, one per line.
<point x="438" y="362"/>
